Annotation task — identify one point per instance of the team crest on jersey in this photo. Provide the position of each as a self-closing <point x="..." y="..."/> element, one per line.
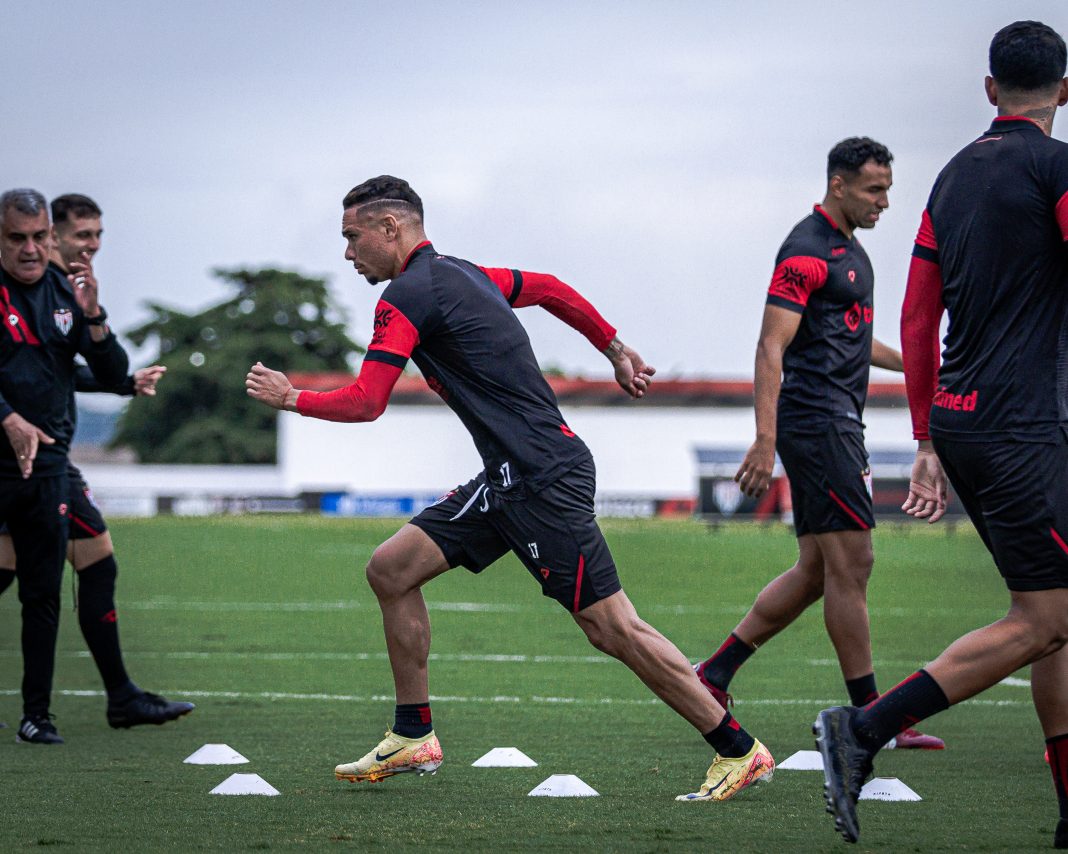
<point x="64" y="319"/>
<point x="852" y="318"/>
<point x="852" y="276"/>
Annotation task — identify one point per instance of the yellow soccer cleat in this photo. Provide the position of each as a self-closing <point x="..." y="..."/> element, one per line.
<point x="727" y="777"/>
<point x="395" y="754"/>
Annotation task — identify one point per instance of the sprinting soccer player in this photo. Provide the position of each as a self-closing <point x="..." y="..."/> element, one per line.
<point x="811" y="382"/>
<point x="47" y="319"/>
<point x="76" y="233"/>
<point x="991" y="252"/>
<point x="535" y="496"/>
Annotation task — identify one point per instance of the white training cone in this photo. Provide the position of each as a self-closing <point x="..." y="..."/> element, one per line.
<point x="887" y="789"/>
<point x="803" y="760"/>
<point x="562" y="786"/>
<point x="215" y="754"/>
<point x="245" y="784"/>
<point x="504" y="757"/>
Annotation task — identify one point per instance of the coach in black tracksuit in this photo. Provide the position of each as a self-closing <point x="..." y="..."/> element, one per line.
<point x="46" y="321"/>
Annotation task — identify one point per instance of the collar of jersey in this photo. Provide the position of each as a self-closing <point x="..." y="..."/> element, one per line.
<point x="1002" y="123"/>
<point x="818" y="208"/>
<point x="424" y="245"/>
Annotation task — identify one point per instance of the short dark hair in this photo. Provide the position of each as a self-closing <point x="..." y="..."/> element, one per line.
<point x="384" y="188"/>
<point x="1027" y="56"/>
<point x="25" y="201"/>
<point x="74" y="205"/>
<point x="851" y="154"/>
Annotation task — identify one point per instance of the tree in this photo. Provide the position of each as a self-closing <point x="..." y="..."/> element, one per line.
<point x="201" y="413"/>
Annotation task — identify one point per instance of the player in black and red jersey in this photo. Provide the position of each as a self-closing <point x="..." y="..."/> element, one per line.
<point x="811" y="382"/>
<point x="535" y="496"/>
<point x="76" y="233"/>
<point x="991" y="252"/>
<point x="47" y="319"/>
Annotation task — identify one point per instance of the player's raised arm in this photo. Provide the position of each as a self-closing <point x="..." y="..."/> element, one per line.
<point x="556" y="297"/>
<point x="523" y="288"/>
<point x="921" y="315"/>
<point x="363" y="400"/>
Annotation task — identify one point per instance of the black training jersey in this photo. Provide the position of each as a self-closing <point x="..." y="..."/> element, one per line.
<point x="993" y="239"/>
<point x="43" y="330"/>
<point x="461" y="331"/>
<point x="827" y="278"/>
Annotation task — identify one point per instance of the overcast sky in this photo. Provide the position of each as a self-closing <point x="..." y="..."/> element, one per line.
<point x="652" y="154"/>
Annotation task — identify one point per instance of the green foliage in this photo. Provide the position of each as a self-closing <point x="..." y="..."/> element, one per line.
<point x="201" y="413"/>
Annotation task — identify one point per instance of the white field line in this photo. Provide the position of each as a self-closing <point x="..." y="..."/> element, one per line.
<point x="164" y="603"/>
<point x="443" y="657"/>
<point x="454" y="698"/>
<point x="488" y="658"/>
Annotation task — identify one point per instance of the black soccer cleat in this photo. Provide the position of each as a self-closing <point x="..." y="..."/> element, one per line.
<point x="846" y="765"/>
<point x="38" y="729"/>
<point x="145" y="708"/>
<point x="1060" y="835"/>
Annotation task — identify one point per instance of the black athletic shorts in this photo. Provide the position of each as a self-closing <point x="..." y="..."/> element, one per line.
<point x="553" y="532"/>
<point x="830" y="481"/>
<point x="1016" y="494"/>
<point x="86" y="520"/>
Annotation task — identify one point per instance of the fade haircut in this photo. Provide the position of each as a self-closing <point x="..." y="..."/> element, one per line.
<point x="25" y="201"/>
<point x="74" y="206"/>
<point x="387" y="190"/>
<point x="851" y="154"/>
<point x="1027" y="56"/>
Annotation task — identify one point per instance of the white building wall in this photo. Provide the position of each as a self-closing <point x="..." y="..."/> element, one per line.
<point x="422" y="451"/>
<point x="639" y="450"/>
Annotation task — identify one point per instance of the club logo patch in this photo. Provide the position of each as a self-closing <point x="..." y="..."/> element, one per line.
<point x="64" y="319"/>
<point x="852" y="318"/>
<point x="852" y="276"/>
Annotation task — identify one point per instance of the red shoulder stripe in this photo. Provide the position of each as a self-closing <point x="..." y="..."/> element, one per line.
<point x="394" y="333"/>
<point x="797" y="277"/>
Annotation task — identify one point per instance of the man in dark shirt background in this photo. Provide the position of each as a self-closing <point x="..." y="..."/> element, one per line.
<point x="991" y="251"/>
<point x="535" y="495"/>
<point x="810" y="384"/>
<point x="47" y="320"/>
<point x="77" y="233"/>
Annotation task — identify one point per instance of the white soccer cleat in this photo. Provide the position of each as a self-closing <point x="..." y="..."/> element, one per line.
<point x="395" y="754"/>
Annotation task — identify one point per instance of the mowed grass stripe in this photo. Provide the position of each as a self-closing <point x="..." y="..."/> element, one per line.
<point x="295" y="718"/>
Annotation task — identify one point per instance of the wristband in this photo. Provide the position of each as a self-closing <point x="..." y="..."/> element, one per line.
<point x="99" y="319"/>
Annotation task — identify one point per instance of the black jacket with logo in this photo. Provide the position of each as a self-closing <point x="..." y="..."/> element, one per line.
<point x="43" y="329"/>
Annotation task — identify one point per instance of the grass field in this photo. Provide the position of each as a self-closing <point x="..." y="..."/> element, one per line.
<point x="268" y="625"/>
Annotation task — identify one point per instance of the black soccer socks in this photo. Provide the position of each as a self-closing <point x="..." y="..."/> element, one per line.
<point x="862" y="690"/>
<point x="905" y="704"/>
<point x="99" y="623"/>
<point x="412" y="720"/>
<point x="7" y="577"/>
<point x="725" y="661"/>
<point x="729" y="739"/>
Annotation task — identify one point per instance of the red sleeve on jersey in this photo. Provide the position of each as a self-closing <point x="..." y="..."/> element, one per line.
<point x="926" y="236"/>
<point x="394" y="333"/>
<point x="1062" y="215"/>
<point x="796" y="278"/>
<point x="503" y="278"/>
<point x="920" y="317"/>
<point x="364" y="400"/>
<point x="558" y="298"/>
